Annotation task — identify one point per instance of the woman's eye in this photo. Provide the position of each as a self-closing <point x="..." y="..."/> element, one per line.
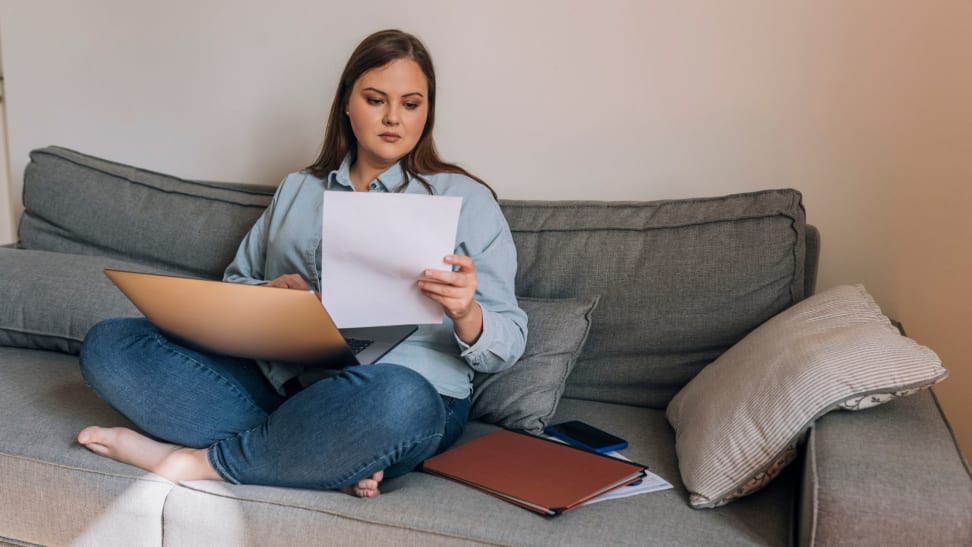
<point x="373" y="100"/>
<point x="411" y="106"/>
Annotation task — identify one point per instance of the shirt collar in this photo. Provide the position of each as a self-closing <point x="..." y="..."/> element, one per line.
<point x="389" y="181"/>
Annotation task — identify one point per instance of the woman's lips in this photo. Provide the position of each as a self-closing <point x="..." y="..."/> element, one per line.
<point x="390" y="137"/>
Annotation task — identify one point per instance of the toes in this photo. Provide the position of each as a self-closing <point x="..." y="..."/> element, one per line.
<point x="97" y="439"/>
<point x="99" y="449"/>
<point x="89" y="435"/>
<point x="366" y="488"/>
<point x="361" y="489"/>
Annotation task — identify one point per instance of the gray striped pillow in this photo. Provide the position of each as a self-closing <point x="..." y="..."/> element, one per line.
<point x="739" y="421"/>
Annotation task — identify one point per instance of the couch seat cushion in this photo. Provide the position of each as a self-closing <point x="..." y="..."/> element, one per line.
<point x="52" y="490"/>
<point x="431" y="510"/>
<point x="56" y="492"/>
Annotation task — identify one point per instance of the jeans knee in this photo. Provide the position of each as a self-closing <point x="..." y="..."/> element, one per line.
<point x="104" y="346"/>
<point x="404" y="397"/>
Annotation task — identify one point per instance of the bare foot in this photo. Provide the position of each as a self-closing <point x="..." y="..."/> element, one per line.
<point x="366" y="488"/>
<point x="173" y="462"/>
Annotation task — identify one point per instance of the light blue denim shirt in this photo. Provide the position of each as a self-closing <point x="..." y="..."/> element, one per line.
<point x="286" y="239"/>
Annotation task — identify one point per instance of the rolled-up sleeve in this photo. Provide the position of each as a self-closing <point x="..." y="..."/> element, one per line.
<point x="486" y="238"/>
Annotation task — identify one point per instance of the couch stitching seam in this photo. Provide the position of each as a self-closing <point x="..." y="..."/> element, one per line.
<point x="336" y="514"/>
<point x="146" y="478"/>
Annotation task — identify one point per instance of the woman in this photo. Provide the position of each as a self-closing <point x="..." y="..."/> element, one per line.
<point x="225" y="418"/>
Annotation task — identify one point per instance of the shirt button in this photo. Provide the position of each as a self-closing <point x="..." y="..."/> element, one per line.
<point x="373" y="186"/>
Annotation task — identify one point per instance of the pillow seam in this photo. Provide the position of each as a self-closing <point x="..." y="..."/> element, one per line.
<point x="39" y="333"/>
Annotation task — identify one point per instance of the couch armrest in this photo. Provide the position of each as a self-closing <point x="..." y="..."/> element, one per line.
<point x="887" y="475"/>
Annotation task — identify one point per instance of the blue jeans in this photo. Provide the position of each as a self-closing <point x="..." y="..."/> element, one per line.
<point x="331" y="434"/>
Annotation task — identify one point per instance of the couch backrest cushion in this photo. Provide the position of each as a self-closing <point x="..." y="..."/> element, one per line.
<point x="80" y="204"/>
<point x="680" y="281"/>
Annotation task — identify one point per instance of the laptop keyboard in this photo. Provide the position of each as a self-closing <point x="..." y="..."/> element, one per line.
<point x="357" y="345"/>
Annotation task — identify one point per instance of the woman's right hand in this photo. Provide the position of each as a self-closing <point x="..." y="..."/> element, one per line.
<point x="289" y="281"/>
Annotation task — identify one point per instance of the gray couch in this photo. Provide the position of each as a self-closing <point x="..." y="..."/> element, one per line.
<point x="678" y="282"/>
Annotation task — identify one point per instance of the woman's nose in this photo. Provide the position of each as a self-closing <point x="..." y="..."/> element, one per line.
<point x="391" y="115"/>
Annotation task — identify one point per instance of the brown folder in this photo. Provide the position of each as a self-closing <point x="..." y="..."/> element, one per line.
<point x="541" y="475"/>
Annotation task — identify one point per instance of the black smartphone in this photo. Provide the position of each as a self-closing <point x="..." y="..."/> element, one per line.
<point x="586" y="436"/>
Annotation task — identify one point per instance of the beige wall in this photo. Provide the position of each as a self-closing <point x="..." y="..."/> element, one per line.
<point x="932" y="267"/>
<point x="933" y="280"/>
<point x="850" y="101"/>
<point x="6" y="205"/>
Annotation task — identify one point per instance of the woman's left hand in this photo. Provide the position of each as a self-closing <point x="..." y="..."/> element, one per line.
<point x="455" y="291"/>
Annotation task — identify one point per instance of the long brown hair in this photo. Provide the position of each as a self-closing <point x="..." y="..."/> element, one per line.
<point x="376" y="51"/>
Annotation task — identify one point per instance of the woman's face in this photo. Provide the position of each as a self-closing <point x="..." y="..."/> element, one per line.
<point x="388" y="108"/>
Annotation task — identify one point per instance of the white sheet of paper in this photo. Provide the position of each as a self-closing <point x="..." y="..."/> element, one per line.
<point x="651" y="483"/>
<point x="375" y="246"/>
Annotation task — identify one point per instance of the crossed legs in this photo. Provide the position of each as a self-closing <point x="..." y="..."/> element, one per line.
<point x="214" y="417"/>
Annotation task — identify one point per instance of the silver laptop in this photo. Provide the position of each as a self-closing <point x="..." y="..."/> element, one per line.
<point x="254" y="321"/>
